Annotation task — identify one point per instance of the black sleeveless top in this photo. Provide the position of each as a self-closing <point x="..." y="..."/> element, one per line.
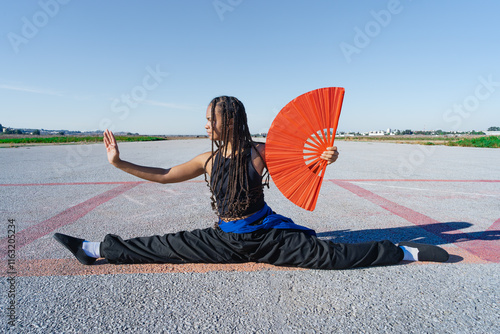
<point x="254" y="182"/>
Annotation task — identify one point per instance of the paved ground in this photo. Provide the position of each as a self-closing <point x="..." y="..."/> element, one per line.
<point x="447" y="196"/>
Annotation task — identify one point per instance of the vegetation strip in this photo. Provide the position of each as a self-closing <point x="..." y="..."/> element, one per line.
<point x="75" y="139"/>
<point x="491" y="141"/>
<point x="483" y="141"/>
<point x="479" y="141"/>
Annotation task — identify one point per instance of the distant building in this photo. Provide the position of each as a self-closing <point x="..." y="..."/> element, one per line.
<point x="492" y="133"/>
<point x="345" y="134"/>
<point x="376" y="133"/>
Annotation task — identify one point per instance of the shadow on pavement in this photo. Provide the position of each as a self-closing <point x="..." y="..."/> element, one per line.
<point x="446" y="233"/>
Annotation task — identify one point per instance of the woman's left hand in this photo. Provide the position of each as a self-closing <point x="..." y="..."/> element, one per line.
<point x="331" y="154"/>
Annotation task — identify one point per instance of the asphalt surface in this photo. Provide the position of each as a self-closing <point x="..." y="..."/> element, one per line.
<point x="448" y="196"/>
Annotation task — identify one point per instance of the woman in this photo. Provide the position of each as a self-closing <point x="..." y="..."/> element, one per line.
<point x="248" y="230"/>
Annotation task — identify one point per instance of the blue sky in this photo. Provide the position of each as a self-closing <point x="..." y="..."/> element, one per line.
<point x="153" y="66"/>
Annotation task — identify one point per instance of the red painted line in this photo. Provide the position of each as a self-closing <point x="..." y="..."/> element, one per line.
<point x="80" y="183"/>
<point x="495" y="226"/>
<point x="66" y="184"/>
<point x="407" y="180"/>
<point x="201" y="181"/>
<point x="66" y="217"/>
<point x="485" y="249"/>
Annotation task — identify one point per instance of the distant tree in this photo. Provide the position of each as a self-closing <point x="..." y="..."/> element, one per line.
<point x="473" y="132"/>
<point x="1" y="128"/>
<point x="422" y="133"/>
<point x="61" y="133"/>
<point x="36" y="132"/>
<point x="407" y="132"/>
<point x="494" y="128"/>
<point x="18" y="132"/>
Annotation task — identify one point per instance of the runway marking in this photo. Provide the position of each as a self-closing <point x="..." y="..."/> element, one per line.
<point x="472" y="251"/>
<point x="68" y="183"/>
<point x="133" y="200"/>
<point x="202" y="181"/>
<point x="425" y="189"/>
<point x="488" y="250"/>
<point x="68" y="216"/>
<point x="81" y="183"/>
<point x="410" y="180"/>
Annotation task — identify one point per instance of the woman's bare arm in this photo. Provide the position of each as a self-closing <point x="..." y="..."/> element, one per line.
<point x="183" y="172"/>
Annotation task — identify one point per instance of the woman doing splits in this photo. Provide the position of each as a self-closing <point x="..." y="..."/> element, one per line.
<point x="248" y="229"/>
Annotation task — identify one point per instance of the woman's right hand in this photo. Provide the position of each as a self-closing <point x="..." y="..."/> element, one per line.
<point x="111" y="147"/>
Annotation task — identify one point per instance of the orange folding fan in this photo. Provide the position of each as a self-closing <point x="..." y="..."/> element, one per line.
<point x="299" y="134"/>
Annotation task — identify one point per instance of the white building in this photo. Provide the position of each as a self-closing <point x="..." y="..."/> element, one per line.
<point x="492" y="133"/>
<point x="376" y="133"/>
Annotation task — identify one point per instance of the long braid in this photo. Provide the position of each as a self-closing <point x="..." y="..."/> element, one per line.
<point x="239" y="197"/>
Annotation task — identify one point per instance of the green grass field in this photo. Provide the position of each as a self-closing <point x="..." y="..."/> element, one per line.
<point x="490" y="141"/>
<point x="73" y="139"/>
<point x="475" y="141"/>
<point x="480" y="141"/>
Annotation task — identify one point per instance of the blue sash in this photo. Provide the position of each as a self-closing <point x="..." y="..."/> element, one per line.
<point x="271" y="220"/>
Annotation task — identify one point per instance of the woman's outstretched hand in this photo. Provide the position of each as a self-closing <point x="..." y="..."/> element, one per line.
<point x="331" y="154"/>
<point x="111" y="147"/>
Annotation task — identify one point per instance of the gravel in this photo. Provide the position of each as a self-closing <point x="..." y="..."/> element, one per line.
<point x="459" y="297"/>
<point x="398" y="299"/>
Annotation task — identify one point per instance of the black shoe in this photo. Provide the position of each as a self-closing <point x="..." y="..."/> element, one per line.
<point x="428" y="252"/>
<point x="74" y="245"/>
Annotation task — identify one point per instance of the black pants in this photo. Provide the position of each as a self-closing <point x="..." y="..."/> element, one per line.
<point x="275" y="246"/>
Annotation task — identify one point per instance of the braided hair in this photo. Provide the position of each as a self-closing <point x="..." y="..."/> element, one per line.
<point x="234" y="130"/>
